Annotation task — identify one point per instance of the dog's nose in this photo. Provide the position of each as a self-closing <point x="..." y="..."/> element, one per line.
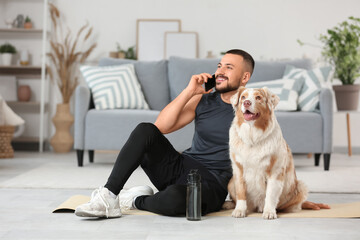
<point x="247" y="103"/>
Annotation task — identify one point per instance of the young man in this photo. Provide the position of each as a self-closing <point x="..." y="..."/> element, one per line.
<point x="168" y="169"/>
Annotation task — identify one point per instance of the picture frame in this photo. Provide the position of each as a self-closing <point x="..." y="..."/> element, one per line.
<point x="181" y="44"/>
<point x="8" y="88"/>
<point x="150" y="37"/>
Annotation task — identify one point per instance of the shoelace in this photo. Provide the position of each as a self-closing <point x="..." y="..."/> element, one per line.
<point x="97" y="192"/>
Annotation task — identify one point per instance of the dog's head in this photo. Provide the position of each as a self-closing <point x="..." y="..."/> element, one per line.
<point x="254" y="105"/>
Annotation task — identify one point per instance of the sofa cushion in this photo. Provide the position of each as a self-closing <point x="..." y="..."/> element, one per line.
<point x="270" y="70"/>
<point x="314" y="80"/>
<point x="152" y="76"/>
<point x="114" y="87"/>
<point x="287" y="89"/>
<point x="181" y="70"/>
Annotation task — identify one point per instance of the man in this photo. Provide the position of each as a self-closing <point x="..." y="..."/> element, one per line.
<point x="168" y="169"/>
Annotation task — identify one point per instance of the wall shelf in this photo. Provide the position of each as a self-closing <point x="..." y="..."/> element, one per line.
<point x="20" y="30"/>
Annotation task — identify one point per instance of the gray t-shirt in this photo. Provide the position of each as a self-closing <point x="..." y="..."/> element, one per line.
<point x="210" y="144"/>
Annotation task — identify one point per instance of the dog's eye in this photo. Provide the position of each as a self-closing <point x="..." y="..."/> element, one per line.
<point x="258" y="98"/>
<point x="243" y="97"/>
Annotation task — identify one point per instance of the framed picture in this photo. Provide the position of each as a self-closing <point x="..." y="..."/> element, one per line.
<point x="151" y="37"/>
<point x="8" y="88"/>
<point x="181" y="44"/>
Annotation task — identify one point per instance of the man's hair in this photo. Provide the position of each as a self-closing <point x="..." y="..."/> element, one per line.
<point x="248" y="59"/>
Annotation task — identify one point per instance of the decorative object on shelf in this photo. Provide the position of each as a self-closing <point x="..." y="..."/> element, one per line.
<point x="7" y="51"/>
<point x="210" y="55"/>
<point x="28" y="24"/>
<point x="8" y="122"/>
<point x="24" y="57"/>
<point x="19" y="21"/>
<point x="341" y="49"/>
<point x="9" y="23"/>
<point x="65" y="56"/>
<point x="62" y="141"/>
<point x="24" y="93"/>
<point x="150" y="38"/>
<point x="121" y="53"/>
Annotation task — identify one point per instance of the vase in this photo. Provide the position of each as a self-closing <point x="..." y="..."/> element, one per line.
<point x="6" y="59"/>
<point x="62" y="141"/>
<point x="24" y="93"/>
<point x="347" y="97"/>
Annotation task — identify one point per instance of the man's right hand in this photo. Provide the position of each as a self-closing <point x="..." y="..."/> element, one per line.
<point x="195" y="85"/>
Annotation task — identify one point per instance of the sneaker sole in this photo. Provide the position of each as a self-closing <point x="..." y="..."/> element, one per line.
<point x="113" y="214"/>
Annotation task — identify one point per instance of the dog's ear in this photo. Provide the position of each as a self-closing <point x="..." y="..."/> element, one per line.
<point x="235" y="99"/>
<point x="273" y="99"/>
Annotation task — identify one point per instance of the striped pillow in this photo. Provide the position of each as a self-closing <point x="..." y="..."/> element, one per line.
<point x="314" y="80"/>
<point x="287" y="90"/>
<point x="114" y="87"/>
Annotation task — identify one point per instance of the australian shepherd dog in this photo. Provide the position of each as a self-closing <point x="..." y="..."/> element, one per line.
<point x="264" y="178"/>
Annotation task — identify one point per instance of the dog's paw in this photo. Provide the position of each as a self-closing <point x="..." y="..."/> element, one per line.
<point x="228" y="205"/>
<point x="237" y="213"/>
<point x="269" y="215"/>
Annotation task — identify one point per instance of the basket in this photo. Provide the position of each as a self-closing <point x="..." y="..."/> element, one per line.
<point x="6" y="134"/>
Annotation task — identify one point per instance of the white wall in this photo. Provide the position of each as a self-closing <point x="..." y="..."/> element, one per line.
<point x="267" y="29"/>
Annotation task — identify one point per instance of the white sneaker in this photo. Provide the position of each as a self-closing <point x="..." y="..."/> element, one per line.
<point x="127" y="197"/>
<point x="100" y="205"/>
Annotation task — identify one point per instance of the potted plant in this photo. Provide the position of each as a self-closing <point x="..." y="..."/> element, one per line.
<point x="7" y="51"/>
<point x="67" y="52"/>
<point x="28" y="23"/>
<point x="342" y="50"/>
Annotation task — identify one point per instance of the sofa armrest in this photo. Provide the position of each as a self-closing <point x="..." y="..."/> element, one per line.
<point x="82" y="105"/>
<point x="326" y="110"/>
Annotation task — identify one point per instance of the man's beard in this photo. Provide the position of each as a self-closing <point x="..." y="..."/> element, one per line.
<point x="228" y="88"/>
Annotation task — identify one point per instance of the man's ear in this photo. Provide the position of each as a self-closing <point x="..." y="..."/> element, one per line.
<point x="273" y="99"/>
<point x="245" y="78"/>
<point x="235" y="98"/>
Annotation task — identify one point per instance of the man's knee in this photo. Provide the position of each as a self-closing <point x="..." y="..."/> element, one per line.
<point x="146" y="128"/>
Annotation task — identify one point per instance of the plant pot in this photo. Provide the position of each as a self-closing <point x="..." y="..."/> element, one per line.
<point x="28" y="25"/>
<point x="62" y="141"/>
<point x="347" y="96"/>
<point x="6" y="59"/>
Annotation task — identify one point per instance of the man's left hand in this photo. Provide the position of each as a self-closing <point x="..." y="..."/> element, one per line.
<point x="314" y="206"/>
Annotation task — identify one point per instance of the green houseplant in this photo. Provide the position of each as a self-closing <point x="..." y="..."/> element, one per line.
<point x="7" y="51"/>
<point x="342" y="50"/>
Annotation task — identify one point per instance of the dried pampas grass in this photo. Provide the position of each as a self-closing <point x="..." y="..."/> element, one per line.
<point x="65" y="54"/>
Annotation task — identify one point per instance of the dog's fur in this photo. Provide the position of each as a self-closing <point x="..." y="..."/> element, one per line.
<point x="264" y="177"/>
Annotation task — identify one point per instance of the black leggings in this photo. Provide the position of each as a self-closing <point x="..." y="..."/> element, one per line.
<point x="167" y="170"/>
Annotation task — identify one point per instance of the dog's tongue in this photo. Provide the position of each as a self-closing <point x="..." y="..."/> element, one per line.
<point x="249" y="116"/>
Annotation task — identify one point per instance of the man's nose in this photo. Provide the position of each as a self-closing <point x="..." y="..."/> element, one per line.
<point x="247" y="103"/>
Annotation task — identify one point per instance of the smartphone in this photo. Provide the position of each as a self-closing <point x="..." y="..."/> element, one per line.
<point x="211" y="82"/>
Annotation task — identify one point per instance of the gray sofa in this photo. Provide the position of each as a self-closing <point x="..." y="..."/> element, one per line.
<point x="162" y="81"/>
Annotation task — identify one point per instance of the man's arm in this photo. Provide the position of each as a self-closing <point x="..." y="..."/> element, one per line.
<point x="181" y="111"/>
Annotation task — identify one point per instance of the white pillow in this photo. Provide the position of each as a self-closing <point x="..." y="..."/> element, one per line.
<point x="114" y="87"/>
<point x="287" y="90"/>
<point x="314" y="80"/>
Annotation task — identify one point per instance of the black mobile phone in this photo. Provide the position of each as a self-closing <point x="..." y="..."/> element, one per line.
<point x="211" y="82"/>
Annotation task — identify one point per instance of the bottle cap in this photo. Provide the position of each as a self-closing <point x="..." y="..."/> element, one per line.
<point x="193" y="176"/>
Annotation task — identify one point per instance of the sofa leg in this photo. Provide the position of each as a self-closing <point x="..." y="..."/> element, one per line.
<point x="327" y="161"/>
<point x="80" y="157"/>
<point x="91" y="156"/>
<point x="317" y="158"/>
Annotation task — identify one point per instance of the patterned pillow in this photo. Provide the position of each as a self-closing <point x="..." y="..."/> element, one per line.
<point x="287" y="90"/>
<point x="114" y="87"/>
<point x="314" y="80"/>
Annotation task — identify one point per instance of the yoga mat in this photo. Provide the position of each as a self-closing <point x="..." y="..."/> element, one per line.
<point x="339" y="210"/>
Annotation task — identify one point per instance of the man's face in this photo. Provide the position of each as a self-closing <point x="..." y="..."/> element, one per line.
<point x="229" y="73"/>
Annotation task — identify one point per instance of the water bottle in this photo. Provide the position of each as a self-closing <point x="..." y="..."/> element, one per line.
<point x="193" y="196"/>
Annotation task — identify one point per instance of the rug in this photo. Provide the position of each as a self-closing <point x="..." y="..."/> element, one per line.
<point x="341" y="210"/>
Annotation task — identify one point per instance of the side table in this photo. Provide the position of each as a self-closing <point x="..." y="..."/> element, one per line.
<point x="348" y="128"/>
